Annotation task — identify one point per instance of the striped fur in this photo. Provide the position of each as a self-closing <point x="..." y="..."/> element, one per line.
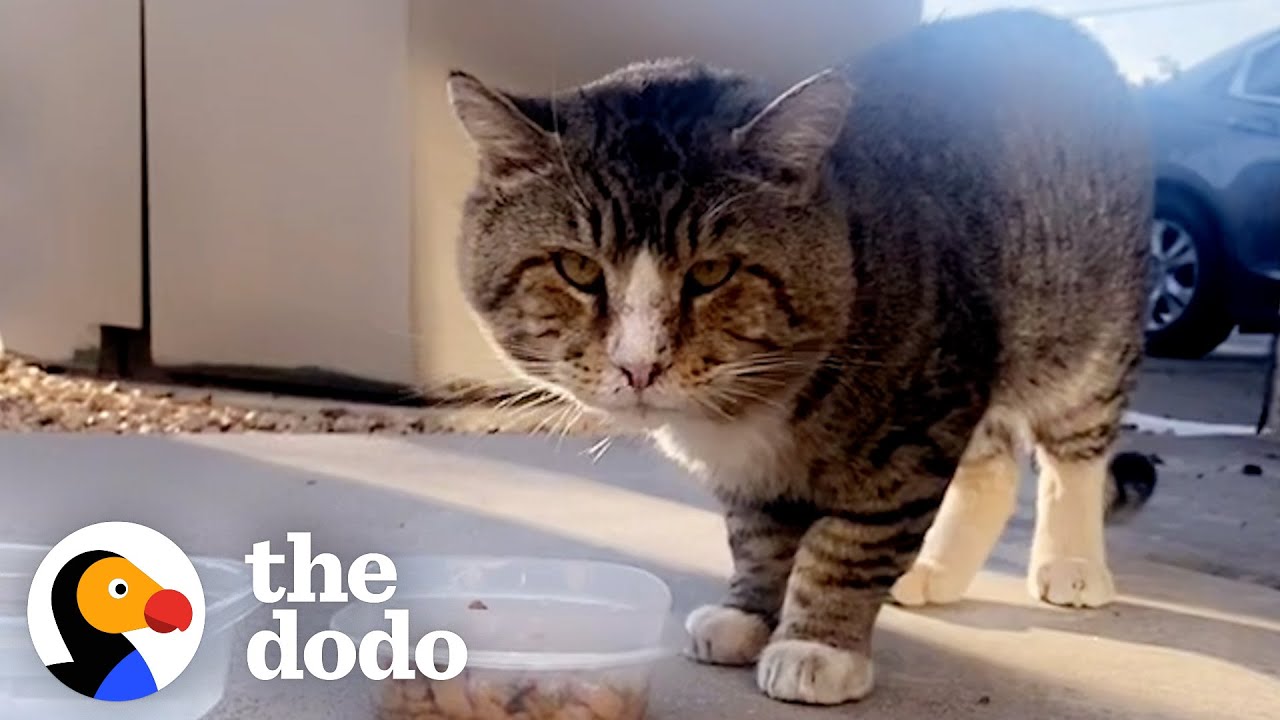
<point x="849" y="308"/>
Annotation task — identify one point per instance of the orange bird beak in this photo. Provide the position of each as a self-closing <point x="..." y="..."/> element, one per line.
<point x="168" y="610"/>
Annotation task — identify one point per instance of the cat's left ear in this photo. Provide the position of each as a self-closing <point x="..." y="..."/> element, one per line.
<point x="510" y="144"/>
<point x="793" y="135"/>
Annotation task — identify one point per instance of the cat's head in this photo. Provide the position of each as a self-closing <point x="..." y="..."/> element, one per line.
<point x="661" y="243"/>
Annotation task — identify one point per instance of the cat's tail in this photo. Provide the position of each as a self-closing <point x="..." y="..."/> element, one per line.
<point x="1131" y="483"/>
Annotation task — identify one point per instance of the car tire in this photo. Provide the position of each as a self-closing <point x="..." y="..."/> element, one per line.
<point x="1186" y="313"/>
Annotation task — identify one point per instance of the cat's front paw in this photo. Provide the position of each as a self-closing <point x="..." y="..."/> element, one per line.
<point x="926" y="583"/>
<point x="1071" y="581"/>
<point x="722" y="635"/>
<point x="804" y="671"/>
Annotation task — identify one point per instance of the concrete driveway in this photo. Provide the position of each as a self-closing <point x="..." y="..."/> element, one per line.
<point x="1195" y="636"/>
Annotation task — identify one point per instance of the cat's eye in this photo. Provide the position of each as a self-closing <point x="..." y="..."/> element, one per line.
<point x="580" y="271"/>
<point x="707" y="275"/>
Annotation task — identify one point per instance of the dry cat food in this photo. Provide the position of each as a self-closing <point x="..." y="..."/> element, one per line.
<point x="497" y="695"/>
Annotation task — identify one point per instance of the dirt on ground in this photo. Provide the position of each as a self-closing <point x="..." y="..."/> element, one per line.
<point x="33" y="399"/>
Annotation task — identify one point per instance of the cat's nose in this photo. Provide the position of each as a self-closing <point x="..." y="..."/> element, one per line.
<point x="640" y="375"/>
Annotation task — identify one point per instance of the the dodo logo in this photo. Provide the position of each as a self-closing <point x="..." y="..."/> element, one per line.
<point x="116" y="611"/>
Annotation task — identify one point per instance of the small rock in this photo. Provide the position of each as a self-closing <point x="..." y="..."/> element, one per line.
<point x="984" y="700"/>
<point x="1251" y="469"/>
<point x="348" y="424"/>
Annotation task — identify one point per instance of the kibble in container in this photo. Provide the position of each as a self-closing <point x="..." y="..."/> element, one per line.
<point x="546" y="639"/>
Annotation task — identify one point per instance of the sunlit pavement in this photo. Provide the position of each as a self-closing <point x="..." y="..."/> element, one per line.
<point x="1196" y="634"/>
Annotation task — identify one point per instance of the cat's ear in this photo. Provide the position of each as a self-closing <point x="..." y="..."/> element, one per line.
<point x="510" y="144"/>
<point x="793" y="135"/>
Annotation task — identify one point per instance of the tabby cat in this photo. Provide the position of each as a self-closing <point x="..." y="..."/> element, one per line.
<point x="847" y="308"/>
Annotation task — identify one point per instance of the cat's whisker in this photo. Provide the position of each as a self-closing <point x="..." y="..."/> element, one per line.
<point x="519" y="385"/>
<point x="518" y="399"/>
<point x="601" y="444"/>
<point x="842" y="363"/>
<point x="525" y="411"/>
<point x="710" y="404"/>
<point x="761" y="369"/>
<point x="780" y="369"/>
<point x="549" y="420"/>
<point x="546" y="400"/>
<point x="737" y="393"/>
<point x="552" y="424"/>
<point x="568" y="426"/>
<point x="525" y="415"/>
<point x="752" y="380"/>
<point x="532" y="392"/>
<point x="598" y="450"/>
<point x="766" y="359"/>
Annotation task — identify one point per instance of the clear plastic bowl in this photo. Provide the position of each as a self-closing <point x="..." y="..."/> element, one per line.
<point x="28" y="690"/>
<point x="545" y="638"/>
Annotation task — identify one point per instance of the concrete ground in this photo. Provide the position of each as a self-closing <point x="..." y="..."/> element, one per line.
<point x="1195" y="636"/>
<point x="1226" y="387"/>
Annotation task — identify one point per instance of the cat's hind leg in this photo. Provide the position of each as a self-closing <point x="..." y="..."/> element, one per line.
<point x="977" y="505"/>
<point x="1068" y="553"/>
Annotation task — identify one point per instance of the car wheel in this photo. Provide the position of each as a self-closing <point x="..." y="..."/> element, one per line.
<point x="1186" y="313"/>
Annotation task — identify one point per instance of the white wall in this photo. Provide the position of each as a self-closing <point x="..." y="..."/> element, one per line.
<point x="70" y="202"/>
<point x="543" y="45"/>
<point x="280" y="184"/>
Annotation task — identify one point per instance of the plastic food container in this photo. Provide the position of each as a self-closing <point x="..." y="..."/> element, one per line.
<point x="546" y="639"/>
<point x="28" y="690"/>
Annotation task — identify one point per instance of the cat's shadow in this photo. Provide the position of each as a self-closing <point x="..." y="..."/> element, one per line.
<point x="1241" y="639"/>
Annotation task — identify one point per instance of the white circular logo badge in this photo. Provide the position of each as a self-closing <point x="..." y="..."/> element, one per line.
<point x="116" y="611"/>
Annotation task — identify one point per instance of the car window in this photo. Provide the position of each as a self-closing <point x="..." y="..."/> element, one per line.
<point x="1220" y="84"/>
<point x="1263" y="78"/>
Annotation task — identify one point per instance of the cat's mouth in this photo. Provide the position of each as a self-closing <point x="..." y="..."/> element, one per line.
<point x="642" y="409"/>
<point x="645" y="413"/>
<point x="644" y="417"/>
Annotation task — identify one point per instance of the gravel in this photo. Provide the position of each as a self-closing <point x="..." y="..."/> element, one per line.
<point x="35" y="400"/>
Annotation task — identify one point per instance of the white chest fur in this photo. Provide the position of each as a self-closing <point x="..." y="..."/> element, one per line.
<point x="746" y="452"/>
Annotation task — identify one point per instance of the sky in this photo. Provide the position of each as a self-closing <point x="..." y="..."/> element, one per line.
<point x="1138" y="32"/>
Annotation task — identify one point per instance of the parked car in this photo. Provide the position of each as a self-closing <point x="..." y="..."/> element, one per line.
<point x="1216" y="238"/>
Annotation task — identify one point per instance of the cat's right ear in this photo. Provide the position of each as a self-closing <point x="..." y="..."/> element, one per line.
<point x="793" y="135"/>
<point x="511" y="146"/>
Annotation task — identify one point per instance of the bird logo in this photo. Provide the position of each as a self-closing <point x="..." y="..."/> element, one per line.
<point x="116" y="611"/>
